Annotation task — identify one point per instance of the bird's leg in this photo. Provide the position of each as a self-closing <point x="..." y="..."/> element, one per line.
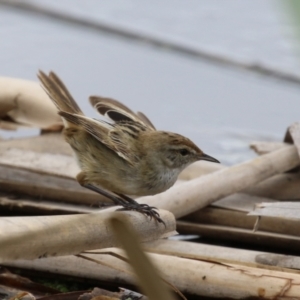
<point x="126" y="198"/>
<point x="82" y="181"/>
<point x="116" y="200"/>
<point x="126" y="202"/>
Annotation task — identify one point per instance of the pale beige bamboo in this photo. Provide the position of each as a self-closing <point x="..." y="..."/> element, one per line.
<point x="48" y="186"/>
<point x="241" y="235"/>
<point x="51" y="143"/>
<point x="240" y="202"/>
<point x="266" y="147"/>
<point x="54" y="164"/>
<point x="281" y="187"/>
<point x="223" y="254"/>
<point x="292" y="135"/>
<point x="26" y="103"/>
<point x="189" y="275"/>
<point x="236" y="219"/>
<point x="31" y="206"/>
<point x="147" y="275"/>
<point x="280" y="211"/>
<point x="33" y="237"/>
<point x="198" y="193"/>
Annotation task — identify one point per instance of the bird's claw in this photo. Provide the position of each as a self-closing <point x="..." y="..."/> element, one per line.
<point x="145" y="209"/>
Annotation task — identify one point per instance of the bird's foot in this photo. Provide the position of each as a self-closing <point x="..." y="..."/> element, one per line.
<point x="127" y="203"/>
<point x="144" y="209"/>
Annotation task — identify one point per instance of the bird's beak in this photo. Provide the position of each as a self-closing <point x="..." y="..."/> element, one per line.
<point x="204" y="156"/>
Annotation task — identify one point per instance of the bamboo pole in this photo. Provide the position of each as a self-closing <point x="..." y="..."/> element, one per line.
<point x="198" y="193"/>
<point x="51" y="163"/>
<point x="50" y="143"/>
<point x="281" y="187"/>
<point x="211" y="279"/>
<point x="147" y="275"/>
<point x="47" y="186"/>
<point x="237" y="219"/>
<point x="26" y="104"/>
<point x="279" y="262"/>
<point x="241" y="235"/>
<point x="198" y="169"/>
<point x="266" y="147"/>
<point x="25" y="206"/>
<point x="35" y="237"/>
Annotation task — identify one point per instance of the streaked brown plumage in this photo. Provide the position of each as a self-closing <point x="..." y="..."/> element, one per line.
<point x="126" y="157"/>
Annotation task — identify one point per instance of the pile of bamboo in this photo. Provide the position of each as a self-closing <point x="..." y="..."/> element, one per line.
<point x="245" y="202"/>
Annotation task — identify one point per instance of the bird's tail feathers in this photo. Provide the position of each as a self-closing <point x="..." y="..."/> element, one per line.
<point x="58" y="93"/>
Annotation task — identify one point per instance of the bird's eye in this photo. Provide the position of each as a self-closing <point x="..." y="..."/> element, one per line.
<point x="184" y="152"/>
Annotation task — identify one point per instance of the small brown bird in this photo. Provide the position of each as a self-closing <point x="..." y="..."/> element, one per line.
<point x="126" y="157"/>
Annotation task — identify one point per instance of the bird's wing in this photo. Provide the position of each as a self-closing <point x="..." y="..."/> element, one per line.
<point x="105" y="133"/>
<point x="145" y="119"/>
<point x="118" y="112"/>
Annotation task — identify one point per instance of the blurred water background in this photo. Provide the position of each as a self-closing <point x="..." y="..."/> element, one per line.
<point x="223" y="73"/>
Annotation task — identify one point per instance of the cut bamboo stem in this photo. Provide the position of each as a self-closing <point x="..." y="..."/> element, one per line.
<point x="26" y="104"/>
<point x="211" y="279"/>
<point x="46" y="186"/>
<point x="281" y="187"/>
<point x="35" y="237"/>
<point x="266" y="147"/>
<point x="241" y="235"/>
<point x="236" y="219"/>
<point x="224" y="254"/>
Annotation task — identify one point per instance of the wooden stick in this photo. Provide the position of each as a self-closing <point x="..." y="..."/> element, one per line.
<point x="148" y="277"/>
<point x="53" y="164"/>
<point x="24" y="206"/>
<point x="281" y="187"/>
<point x="33" y="237"/>
<point x="26" y="104"/>
<point x="224" y="254"/>
<point x="281" y="211"/>
<point x="50" y="143"/>
<point x="266" y="147"/>
<point x="43" y="185"/>
<point x="237" y="219"/>
<point x="226" y="233"/>
<point x="211" y="279"/>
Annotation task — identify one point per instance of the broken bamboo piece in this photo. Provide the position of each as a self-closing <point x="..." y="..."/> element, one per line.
<point x="281" y="187"/>
<point x="223" y="254"/>
<point x="46" y="186"/>
<point x="224" y="217"/>
<point x="211" y="279"/>
<point x="262" y="148"/>
<point x="240" y="235"/>
<point x="281" y="211"/>
<point x="25" y="103"/>
<point x="36" y="237"/>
